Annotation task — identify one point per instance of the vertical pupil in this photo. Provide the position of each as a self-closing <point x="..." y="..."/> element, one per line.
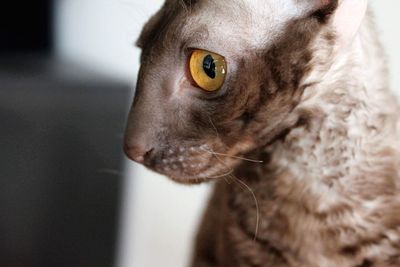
<point x="209" y="66"/>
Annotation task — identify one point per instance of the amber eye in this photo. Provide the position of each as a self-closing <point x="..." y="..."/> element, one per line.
<point x="208" y="70"/>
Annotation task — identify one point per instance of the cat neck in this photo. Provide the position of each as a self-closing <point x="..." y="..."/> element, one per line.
<point x="337" y="167"/>
<point x="347" y="141"/>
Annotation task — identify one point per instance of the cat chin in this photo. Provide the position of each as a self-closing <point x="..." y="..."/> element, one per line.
<point x="189" y="181"/>
<point x="197" y="179"/>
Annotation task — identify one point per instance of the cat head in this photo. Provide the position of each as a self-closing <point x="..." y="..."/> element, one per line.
<point x="219" y="79"/>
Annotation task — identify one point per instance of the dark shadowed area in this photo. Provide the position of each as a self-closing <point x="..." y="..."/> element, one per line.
<point x="60" y="150"/>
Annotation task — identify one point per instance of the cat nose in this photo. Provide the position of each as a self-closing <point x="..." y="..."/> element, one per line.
<point x="137" y="153"/>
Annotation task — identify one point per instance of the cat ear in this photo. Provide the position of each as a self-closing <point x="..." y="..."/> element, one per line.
<point x="347" y="19"/>
<point x="345" y="15"/>
<point x="147" y="28"/>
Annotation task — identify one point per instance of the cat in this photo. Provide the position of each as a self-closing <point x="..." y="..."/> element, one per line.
<point x="285" y="106"/>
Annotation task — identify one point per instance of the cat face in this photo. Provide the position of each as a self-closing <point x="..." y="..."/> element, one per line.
<point x="219" y="79"/>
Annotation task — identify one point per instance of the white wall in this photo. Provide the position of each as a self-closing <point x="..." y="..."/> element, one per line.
<point x="387" y="18"/>
<point x="159" y="216"/>
<point x="100" y="34"/>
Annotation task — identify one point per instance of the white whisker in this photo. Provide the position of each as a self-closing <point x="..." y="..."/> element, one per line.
<point x="231" y="156"/>
<point x="255" y="201"/>
<point x="221" y="175"/>
<point x="252" y="193"/>
<point x="216" y="167"/>
<point x="213" y="125"/>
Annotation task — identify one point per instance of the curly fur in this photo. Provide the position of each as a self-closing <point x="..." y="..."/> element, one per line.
<point x="318" y="115"/>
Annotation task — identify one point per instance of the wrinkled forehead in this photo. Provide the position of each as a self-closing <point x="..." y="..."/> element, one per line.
<point x="237" y="25"/>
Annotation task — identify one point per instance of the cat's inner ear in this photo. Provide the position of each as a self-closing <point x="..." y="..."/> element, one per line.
<point x="345" y="15"/>
<point x="347" y="19"/>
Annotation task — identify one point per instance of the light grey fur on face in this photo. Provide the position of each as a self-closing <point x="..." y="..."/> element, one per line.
<point x="235" y="26"/>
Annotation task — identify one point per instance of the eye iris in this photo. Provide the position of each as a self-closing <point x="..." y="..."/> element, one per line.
<point x="209" y="66"/>
<point x="207" y="70"/>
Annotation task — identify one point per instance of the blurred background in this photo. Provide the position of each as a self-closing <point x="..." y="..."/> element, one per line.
<point x="68" y="197"/>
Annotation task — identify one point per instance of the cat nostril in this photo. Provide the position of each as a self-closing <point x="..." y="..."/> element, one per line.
<point x="137" y="153"/>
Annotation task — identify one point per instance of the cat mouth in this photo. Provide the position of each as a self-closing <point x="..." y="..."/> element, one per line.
<point x="192" y="164"/>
